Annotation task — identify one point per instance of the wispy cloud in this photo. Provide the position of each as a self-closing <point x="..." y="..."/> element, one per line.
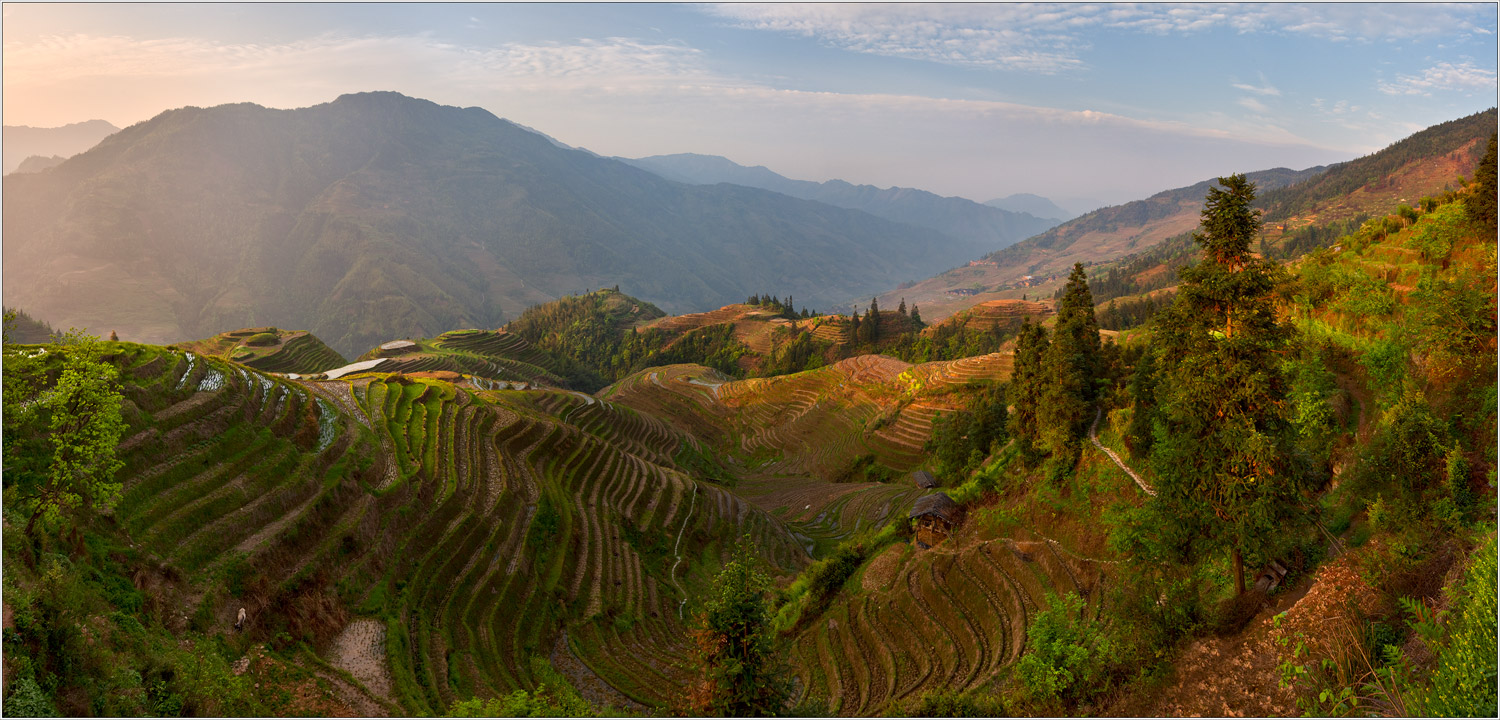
<point x="1444" y="76"/>
<point x="1052" y="38"/>
<point x="1014" y="37"/>
<point x="1253" y="105"/>
<point x="1265" y="88"/>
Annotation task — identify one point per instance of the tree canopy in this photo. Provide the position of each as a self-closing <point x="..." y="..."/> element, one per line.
<point x="61" y="435"/>
<point x="1221" y="443"/>
<point x="741" y="672"/>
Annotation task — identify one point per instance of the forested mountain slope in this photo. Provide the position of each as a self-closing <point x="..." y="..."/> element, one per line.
<point x="379" y="216"/>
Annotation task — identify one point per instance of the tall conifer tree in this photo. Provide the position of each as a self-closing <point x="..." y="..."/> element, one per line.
<point x="1025" y="385"/>
<point x="1222" y="460"/>
<point x="1068" y="368"/>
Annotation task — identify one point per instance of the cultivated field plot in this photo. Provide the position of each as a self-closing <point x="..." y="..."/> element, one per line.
<point x="943" y="618"/>
<point x="465" y="531"/>
<point x="493" y="356"/>
<point x="816" y="423"/>
<point x="269" y="349"/>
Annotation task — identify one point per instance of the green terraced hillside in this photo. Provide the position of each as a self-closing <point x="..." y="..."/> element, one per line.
<point x="465" y="531"/>
<point x="269" y="349"/>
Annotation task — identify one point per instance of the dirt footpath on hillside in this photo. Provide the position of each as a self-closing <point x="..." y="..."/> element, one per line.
<point x="1233" y="676"/>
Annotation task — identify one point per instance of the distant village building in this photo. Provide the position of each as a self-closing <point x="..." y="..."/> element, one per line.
<point x="924" y="479"/>
<point x="936" y="516"/>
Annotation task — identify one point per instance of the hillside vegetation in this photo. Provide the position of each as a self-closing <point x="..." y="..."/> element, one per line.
<point x="1142" y="244"/>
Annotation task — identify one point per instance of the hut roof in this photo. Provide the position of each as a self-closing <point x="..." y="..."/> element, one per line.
<point x="924" y="479"/>
<point x="939" y="505"/>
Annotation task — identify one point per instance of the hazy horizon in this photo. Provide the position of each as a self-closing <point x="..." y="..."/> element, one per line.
<point x="1110" y="102"/>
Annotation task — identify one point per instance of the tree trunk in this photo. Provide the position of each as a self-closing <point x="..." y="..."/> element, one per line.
<point x="1239" y="572"/>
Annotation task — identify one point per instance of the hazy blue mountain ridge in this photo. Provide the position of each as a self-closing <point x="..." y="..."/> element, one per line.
<point x="987" y="228"/>
<point x="379" y="216"/>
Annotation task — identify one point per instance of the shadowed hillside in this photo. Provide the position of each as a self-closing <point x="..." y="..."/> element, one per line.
<point x="378" y="216"/>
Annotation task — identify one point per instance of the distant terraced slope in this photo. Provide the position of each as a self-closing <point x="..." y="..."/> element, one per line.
<point x="291" y="351"/>
<point x="452" y="533"/>
<point x="1005" y="314"/>
<point x="493" y="356"/>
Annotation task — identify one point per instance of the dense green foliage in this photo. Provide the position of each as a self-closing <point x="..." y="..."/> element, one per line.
<point x="1067" y="653"/>
<point x="553" y="697"/>
<point x="64" y="397"/>
<point x="1069" y="369"/>
<point x="945" y="341"/>
<point x="1463" y="681"/>
<point x="1133" y="313"/>
<point x="734" y="649"/>
<point x="1481" y="204"/>
<point x="1026" y="386"/>
<point x="1222" y="445"/>
<point x="962" y="439"/>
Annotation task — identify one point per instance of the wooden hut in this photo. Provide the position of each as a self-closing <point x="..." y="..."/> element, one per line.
<point x="935" y="517"/>
<point x="924" y="479"/>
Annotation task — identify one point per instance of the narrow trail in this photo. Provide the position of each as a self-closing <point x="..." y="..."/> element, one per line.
<point x="1094" y="438"/>
<point x="677" y="550"/>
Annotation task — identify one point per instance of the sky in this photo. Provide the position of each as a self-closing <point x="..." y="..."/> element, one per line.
<point x="1082" y="103"/>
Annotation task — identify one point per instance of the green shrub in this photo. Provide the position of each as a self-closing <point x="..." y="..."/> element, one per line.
<point x="27" y="700"/>
<point x="946" y="702"/>
<point x="1463" y="683"/>
<point x="262" y="339"/>
<point x="1066" y="653"/>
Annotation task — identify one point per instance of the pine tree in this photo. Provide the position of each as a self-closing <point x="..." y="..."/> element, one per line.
<point x="916" y="316"/>
<point x="1026" y="386"/>
<point x="1222" y="460"/>
<point x="1481" y="203"/>
<point x="901" y="309"/>
<point x="870" y="328"/>
<point x="1068" y="368"/>
<point x="1143" y="392"/>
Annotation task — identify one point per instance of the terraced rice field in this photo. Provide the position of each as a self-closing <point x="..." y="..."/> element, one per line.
<point x="295" y="352"/>
<point x="464" y="531"/>
<point x="942" y="618"/>
<point x="1005" y="313"/>
<point x="432" y="539"/>
<point x="815" y="422"/>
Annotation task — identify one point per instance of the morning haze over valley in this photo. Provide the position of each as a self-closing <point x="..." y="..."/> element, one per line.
<point x="614" y="359"/>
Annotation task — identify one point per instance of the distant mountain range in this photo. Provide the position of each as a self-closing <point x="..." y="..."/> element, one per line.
<point x="991" y="228"/>
<point x="1034" y="205"/>
<point x="379" y="215"/>
<point x="21" y="141"/>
